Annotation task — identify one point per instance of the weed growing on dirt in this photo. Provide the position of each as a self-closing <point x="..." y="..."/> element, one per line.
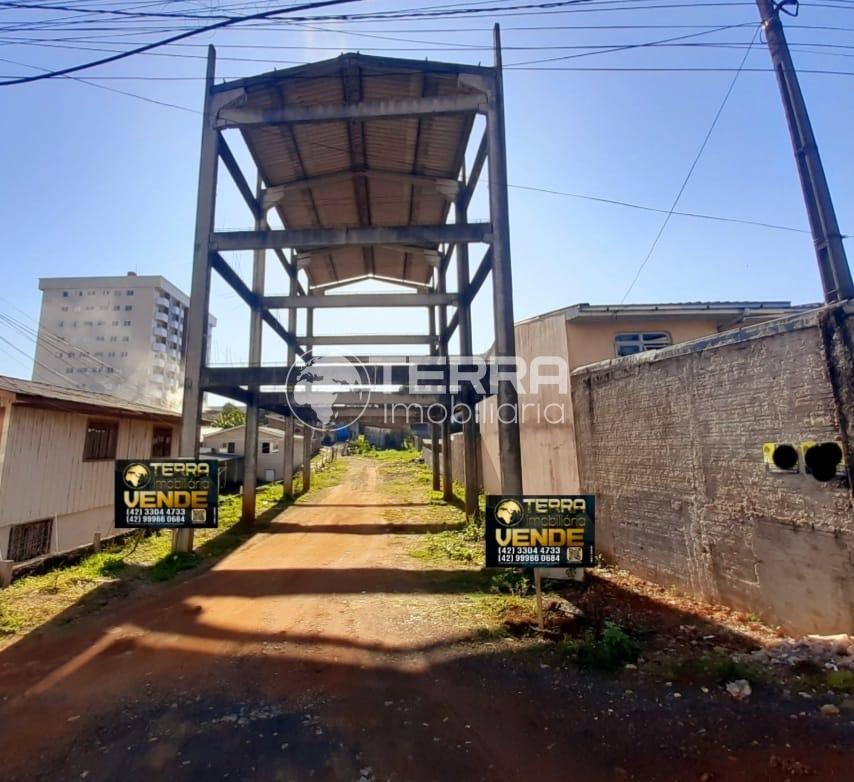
<point x="609" y="650"/>
<point x="713" y="668"/>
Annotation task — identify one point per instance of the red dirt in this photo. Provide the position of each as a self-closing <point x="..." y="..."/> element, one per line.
<point x="318" y="650"/>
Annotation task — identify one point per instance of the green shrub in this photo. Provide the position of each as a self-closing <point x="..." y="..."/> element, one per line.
<point x="612" y="649"/>
<point x="512" y="582"/>
<point x="843" y="681"/>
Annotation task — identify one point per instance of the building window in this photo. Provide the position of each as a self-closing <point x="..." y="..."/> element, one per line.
<point x="127" y="323"/>
<point x="101" y="437"/>
<point x="629" y="344"/>
<point x="265" y="447"/>
<point x="128" y="307"/>
<point x="129" y="293"/>
<point x="65" y="294"/>
<point x="161" y="444"/>
<point x="61" y="323"/>
<point x="116" y="308"/>
<point x="229" y="447"/>
<point x="27" y="541"/>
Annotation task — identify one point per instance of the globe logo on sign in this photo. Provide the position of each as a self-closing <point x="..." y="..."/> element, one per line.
<point x="136" y="476"/>
<point x="509" y="512"/>
<point x="328" y="392"/>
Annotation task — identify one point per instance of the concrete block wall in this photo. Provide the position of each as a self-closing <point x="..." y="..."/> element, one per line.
<point x="670" y="442"/>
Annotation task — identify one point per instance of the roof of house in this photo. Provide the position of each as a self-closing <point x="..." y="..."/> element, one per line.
<point x="76" y="400"/>
<point x="678" y="309"/>
<point x="268" y="430"/>
<point x="379" y="172"/>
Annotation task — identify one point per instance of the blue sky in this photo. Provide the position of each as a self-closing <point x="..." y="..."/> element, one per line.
<point x="96" y="182"/>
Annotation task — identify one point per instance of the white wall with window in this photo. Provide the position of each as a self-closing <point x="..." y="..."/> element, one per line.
<point x="57" y="472"/>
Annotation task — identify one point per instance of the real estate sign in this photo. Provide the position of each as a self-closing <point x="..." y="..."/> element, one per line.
<point x="540" y="531"/>
<point x="170" y="492"/>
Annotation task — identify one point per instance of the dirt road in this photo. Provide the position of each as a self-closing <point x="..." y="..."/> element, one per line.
<point x="321" y="650"/>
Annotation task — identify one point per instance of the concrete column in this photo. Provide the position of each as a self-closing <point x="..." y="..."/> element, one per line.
<point x="447" y="471"/>
<point x="307" y="449"/>
<point x="307" y="433"/>
<point x="197" y="317"/>
<point x="250" y="449"/>
<point x="288" y="444"/>
<point x="509" y="443"/>
<point x="434" y="428"/>
<point x="469" y="425"/>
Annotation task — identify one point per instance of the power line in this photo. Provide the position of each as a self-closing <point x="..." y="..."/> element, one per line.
<point x="691" y="168"/>
<point x="172" y="39"/>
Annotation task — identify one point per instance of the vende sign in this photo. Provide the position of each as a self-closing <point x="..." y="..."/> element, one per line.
<point x="176" y="493"/>
<point x="540" y="531"/>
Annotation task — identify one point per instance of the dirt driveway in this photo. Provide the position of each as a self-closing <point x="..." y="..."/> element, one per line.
<point x="321" y="650"/>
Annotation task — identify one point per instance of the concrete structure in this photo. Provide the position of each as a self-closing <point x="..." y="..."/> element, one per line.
<point x="57" y="448"/>
<point x="271" y="442"/>
<point x="458" y="457"/>
<point x="362" y="160"/>
<point x="582" y="334"/>
<point x="119" y="335"/>
<point x="671" y="443"/>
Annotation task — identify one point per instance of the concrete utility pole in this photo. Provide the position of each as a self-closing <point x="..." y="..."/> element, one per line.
<point x="509" y="442"/>
<point x="832" y="262"/>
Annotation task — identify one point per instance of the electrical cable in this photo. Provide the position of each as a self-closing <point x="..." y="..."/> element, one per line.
<point x="691" y="168"/>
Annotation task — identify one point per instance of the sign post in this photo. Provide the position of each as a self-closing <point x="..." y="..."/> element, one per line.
<point x="540" y="532"/>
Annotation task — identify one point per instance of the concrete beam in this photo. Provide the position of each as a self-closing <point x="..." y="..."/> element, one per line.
<point x="305" y="238"/>
<point x="372" y="109"/>
<point x="233" y="279"/>
<point x="368" y="339"/>
<point x="362" y="300"/>
<point x="233" y="168"/>
<point x="442" y="185"/>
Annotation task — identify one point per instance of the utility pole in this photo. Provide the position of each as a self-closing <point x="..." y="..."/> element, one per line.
<point x="832" y="262"/>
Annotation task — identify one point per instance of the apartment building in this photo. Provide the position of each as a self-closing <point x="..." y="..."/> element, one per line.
<point x="124" y="336"/>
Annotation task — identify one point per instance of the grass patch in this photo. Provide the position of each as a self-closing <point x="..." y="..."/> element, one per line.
<point x="136" y="560"/>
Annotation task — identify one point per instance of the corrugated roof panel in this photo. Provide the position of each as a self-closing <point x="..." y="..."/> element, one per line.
<point x="431" y="144"/>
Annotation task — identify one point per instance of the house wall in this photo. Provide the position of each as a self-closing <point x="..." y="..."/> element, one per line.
<point x="44" y="475"/>
<point x="266" y="461"/>
<point x="670" y="442"/>
<point x="592" y="340"/>
<point x="547" y="432"/>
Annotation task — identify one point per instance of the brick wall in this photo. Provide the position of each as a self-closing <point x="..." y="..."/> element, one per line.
<point x="671" y="444"/>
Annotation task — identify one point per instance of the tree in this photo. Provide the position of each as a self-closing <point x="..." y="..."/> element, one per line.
<point x="231" y="415"/>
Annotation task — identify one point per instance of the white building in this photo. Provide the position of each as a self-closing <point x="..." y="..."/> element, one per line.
<point x="270" y="444"/>
<point x="118" y="335"/>
<point x="57" y="452"/>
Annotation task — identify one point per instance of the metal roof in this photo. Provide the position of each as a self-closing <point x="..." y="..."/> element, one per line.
<point x="73" y="399"/>
<point x="395" y="171"/>
<point x="677" y="309"/>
